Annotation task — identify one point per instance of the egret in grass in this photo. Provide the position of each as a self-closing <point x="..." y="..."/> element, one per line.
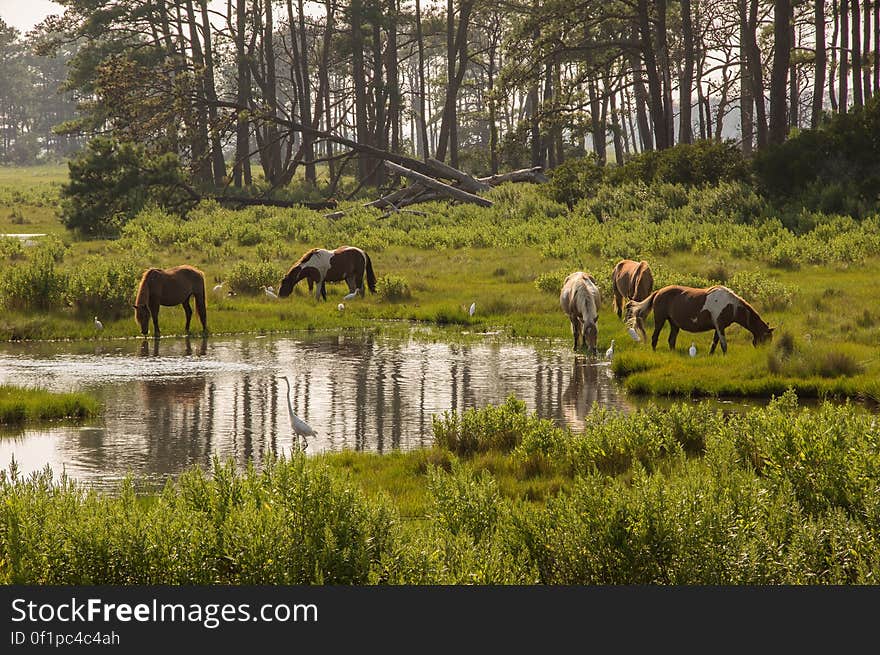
<point x="218" y="288"/>
<point x="472" y="309"/>
<point x="270" y="292"/>
<point x="351" y="295"/>
<point x="632" y="332"/>
<point x="98" y="324"/>
<point x="340" y="307"/>
<point x="610" y="352"/>
<point x="692" y="351"/>
<point x="300" y="427"/>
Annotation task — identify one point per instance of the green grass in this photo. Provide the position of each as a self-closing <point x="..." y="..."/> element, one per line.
<point x="18" y="405"/>
<point x="819" y="287"/>
<point x="679" y="495"/>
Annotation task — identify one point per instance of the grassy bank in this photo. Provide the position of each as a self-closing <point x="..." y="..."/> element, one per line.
<point x="18" y="405"/>
<point x="816" y="287"/>
<point x="683" y="495"/>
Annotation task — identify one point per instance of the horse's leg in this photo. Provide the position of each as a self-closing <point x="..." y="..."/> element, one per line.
<point x="154" y="312"/>
<point x="575" y="330"/>
<point x="673" y="335"/>
<point x="189" y="312"/>
<point x="714" y="342"/>
<point x="203" y="312"/>
<point x="352" y="282"/>
<point x="723" y="341"/>
<point x="659" y="321"/>
<point x="618" y="302"/>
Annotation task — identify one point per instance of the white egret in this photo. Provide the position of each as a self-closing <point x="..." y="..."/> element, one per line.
<point x="98" y="324"/>
<point x="300" y="427"/>
<point x="270" y="292"/>
<point x="218" y="288"/>
<point x="610" y="352"/>
<point x="351" y="295"/>
<point x="692" y="351"/>
<point x="473" y="308"/>
<point x="633" y="333"/>
<point x="340" y="307"/>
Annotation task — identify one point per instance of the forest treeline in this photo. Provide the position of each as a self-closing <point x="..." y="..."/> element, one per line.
<point x="484" y="85"/>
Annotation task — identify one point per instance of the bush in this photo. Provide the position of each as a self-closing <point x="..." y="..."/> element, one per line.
<point x="392" y="288"/>
<point x="111" y="181"/>
<point x="574" y="180"/>
<point x="704" y="162"/>
<point x="551" y="282"/>
<point x="103" y="286"/>
<point x="759" y="289"/>
<point x="250" y="278"/>
<point x="34" y="284"/>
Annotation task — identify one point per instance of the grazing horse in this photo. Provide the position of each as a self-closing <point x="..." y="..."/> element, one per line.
<point x="580" y="300"/>
<point x="169" y="287"/>
<point x="630" y="281"/>
<point x="319" y="266"/>
<point x="698" y="310"/>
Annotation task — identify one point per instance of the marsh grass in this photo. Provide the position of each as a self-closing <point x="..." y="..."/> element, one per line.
<point x="23" y="404"/>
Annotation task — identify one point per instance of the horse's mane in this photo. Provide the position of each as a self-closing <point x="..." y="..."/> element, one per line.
<point x="142" y="296"/>
<point x="305" y="257"/>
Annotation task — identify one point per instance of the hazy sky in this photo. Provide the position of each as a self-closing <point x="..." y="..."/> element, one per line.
<point x="24" y="14"/>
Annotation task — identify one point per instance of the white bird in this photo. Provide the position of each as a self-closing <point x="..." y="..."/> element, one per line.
<point x="300" y="427"/>
<point x="270" y="292"/>
<point x="98" y="324"/>
<point x="632" y="332"/>
<point x="340" y="307"/>
<point x="351" y="295"/>
<point x="218" y="287"/>
<point x="692" y="351"/>
<point x="472" y="309"/>
<point x="610" y="352"/>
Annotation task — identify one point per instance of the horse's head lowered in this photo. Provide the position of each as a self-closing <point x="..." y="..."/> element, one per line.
<point x="762" y="334"/>
<point x="294" y="275"/>
<point x="142" y="316"/>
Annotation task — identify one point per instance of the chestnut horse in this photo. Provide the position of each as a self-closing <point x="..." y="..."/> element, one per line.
<point x="697" y="310"/>
<point x="630" y="281"/>
<point x="580" y="300"/>
<point x="319" y="266"/>
<point x="169" y="287"/>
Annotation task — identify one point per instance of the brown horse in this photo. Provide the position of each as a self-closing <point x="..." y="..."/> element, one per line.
<point x="580" y="300"/>
<point x="319" y="266"/>
<point x="697" y="310"/>
<point x="631" y="281"/>
<point x="169" y="287"/>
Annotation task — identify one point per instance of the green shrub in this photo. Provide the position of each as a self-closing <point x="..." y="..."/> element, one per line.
<point x="703" y="162"/>
<point x="574" y="180"/>
<point x="33" y="284"/>
<point x="250" y="278"/>
<point x="391" y="288"/>
<point x="551" y="282"/>
<point x="761" y="290"/>
<point x="103" y="286"/>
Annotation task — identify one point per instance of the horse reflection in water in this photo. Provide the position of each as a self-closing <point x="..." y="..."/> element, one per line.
<point x="589" y="384"/>
<point x="146" y="351"/>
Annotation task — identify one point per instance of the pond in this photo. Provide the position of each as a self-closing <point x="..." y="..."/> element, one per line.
<point x="174" y="402"/>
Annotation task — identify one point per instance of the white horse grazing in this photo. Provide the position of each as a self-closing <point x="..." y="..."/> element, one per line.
<point x="580" y="300"/>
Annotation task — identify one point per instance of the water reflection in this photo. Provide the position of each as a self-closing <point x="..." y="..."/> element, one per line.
<point x="171" y="403"/>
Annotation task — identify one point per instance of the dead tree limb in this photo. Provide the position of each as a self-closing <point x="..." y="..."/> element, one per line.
<point x="445" y="189"/>
<point x="535" y="175"/>
<point x="465" y="181"/>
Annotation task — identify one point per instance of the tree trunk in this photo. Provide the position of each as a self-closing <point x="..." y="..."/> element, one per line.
<point x="199" y="140"/>
<point x="365" y="164"/>
<point x="420" y="105"/>
<point x="456" y="62"/>
<point x="779" y="73"/>
<point x="655" y="87"/>
<point x="391" y="65"/>
<point x="685" y="127"/>
<point x="218" y="163"/>
<point x="747" y="116"/>
<point x="305" y="103"/>
<point x="665" y="72"/>
<point x="241" y="174"/>
<point x="757" y="76"/>
<point x="843" y="92"/>
<point x="641" y="96"/>
<point x="856" y="53"/>
<point x="832" y="69"/>
<point x="819" y="79"/>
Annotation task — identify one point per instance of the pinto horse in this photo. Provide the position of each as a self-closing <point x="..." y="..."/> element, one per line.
<point x="580" y="300"/>
<point x="169" y="287"/>
<point x="319" y="266"/>
<point x="698" y="310"/>
<point x="630" y="281"/>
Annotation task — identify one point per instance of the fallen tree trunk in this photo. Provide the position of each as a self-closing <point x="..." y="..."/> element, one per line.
<point x="534" y="175"/>
<point x="248" y="202"/>
<point x="440" y="187"/>
<point x="465" y="181"/>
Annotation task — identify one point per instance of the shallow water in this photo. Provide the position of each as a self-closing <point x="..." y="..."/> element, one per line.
<point x="172" y="403"/>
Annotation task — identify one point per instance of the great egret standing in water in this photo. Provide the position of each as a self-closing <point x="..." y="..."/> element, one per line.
<point x="300" y="427"/>
<point x="610" y="352"/>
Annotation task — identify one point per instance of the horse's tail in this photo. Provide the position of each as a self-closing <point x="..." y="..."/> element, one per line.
<point x="371" y="277"/>
<point x="637" y="310"/>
